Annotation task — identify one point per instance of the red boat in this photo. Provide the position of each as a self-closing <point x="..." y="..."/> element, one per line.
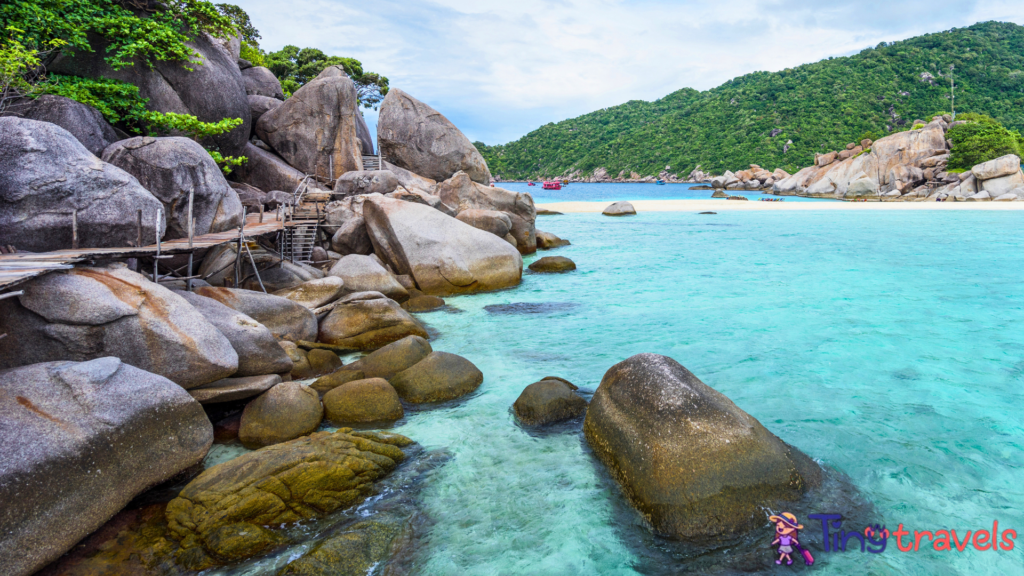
<point x="552" y="185"/>
<point x="530" y="183"/>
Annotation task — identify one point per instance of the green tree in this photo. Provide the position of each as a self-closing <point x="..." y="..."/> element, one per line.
<point x="294" y="67"/>
<point x="981" y="139"/>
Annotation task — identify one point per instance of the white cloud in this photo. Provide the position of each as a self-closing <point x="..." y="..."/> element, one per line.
<point x="499" y="69"/>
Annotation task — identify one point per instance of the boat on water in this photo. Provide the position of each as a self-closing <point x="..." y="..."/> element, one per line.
<point x="659" y="182"/>
<point x="553" y="185"/>
<point x="530" y="183"/>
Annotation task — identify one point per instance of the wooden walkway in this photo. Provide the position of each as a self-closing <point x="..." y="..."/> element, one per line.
<point x="17" y="268"/>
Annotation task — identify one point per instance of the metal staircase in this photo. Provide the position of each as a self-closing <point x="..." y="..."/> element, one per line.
<point x="301" y="226"/>
<point x="371" y="163"/>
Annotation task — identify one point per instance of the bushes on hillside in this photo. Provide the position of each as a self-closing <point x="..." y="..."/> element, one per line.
<point x="981" y="139"/>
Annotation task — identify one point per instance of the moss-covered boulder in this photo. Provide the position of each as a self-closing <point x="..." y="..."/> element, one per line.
<point x="353" y="552"/>
<point x="233" y="510"/>
<point x="393" y="358"/>
<point x="323" y="361"/>
<point x="284" y="412"/>
<point x="553" y="264"/>
<point x="692" y="462"/>
<point x="363" y="401"/>
<point x="548" y="401"/>
<point x="423" y="304"/>
<point x="438" y="377"/>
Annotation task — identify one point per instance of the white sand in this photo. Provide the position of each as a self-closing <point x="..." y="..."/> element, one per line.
<point x="723" y="205"/>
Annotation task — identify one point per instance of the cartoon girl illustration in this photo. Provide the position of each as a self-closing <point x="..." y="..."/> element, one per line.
<point x="786" y="532"/>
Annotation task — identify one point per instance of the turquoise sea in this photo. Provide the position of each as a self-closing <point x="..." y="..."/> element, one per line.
<point x="576" y="192"/>
<point x="887" y="346"/>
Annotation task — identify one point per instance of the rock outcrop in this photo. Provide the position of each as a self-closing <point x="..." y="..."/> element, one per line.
<point x="443" y="255"/>
<point x="619" y="209"/>
<point x="84" y="122"/>
<point x="260" y="105"/>
<point x="364" y="274"/>
<point x="257" y="349"/>
<point x="285" y="319"/>
<point x="260" y="81"/>
<point x="47" y="178"/>
<point x="463" y="194"/>
<point x="78" y="441"/>
<point x="89" y="313"/>
<point x="232" y="511"/>
<point x="418" y="138"/>
<point x="267" y="171"/>
<point x="315" y="129"/>
<point x="547" y="241"/>
<point x="693" y="463"/>
<point x="171" y="169"/>
<point x="366" y="182"/>
<point x="368" y="321"/>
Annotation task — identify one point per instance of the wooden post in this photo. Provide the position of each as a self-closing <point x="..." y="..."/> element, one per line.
<point x="74" y="229"/>
<point x="156" y="261"/>
<point x="191" y="253"/>
<point x="332" y="168"/>
<point x="238" y="253"/>
<point x="138" y="223"/>
<point x="261" y="213"/>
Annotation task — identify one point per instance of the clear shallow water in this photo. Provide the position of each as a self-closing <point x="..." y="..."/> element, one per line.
<point x="889" y="346"/>
<point x="583" y="192"/>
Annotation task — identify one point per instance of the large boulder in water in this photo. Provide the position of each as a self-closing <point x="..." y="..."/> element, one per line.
<point x="46" y="174"/>
<point x="83" y="121"/>
<point x="439" y="377"/>
<point x="257" y="349"/>
<point x="548" y="401"/>
<point x="443" y="255"/>
<point x="694" y="464"/>
<point x="211" y="89"/>
<point x="463" y="194"/>
<point x="315" y="129"/>
<point x="171" y="169"/>
<point x="393" y="358"/>
<point x="362" y="402"/>
<point x="78" y="441"/>
<point x="368" y="321"/>
<point x="418" y="138"/>
<point x="283" y="484"/>
<point x="88" y="313"/>
<point x="285" y="319"/>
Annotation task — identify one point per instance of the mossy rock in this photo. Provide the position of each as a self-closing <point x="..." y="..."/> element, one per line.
<point x="553" y="264"/>
<point x="323" y="361"/>
<point x="325" y="384"/>
<point x="232" y="511"/>
<point x="438" y="377"/>
<point x="284" y="412"/>
<point x="393" y="358"/>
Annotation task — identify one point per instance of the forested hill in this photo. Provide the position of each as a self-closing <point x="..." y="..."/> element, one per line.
<point x="820" y="107"/>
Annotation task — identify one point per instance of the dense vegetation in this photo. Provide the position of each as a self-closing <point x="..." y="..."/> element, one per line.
<point x="820" y="107"/>
<point x="294" y="67"/>
<point x="981" y="139"/>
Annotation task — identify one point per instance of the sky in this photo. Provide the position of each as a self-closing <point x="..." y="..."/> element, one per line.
<point x="500" y="69"/>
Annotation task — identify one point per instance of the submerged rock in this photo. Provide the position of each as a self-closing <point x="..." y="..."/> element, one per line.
<point x="283" y="413"/>
<point x="78" y="441"/>
<point x="438" y="377"/>
<point x="620" y="209"/>
<point x="548" y="401"/>
<point x="363" y="401"/>
<point x="423" y="304"/>
<point x="695" y="465"/>
<point x="553" y="264"/>
<point x="231" y="511"/>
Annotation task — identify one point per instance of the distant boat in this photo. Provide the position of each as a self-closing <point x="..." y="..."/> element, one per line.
<point x="552" y="185"/>
<point x="659" y="182"/>
<point x="530" y="183"/>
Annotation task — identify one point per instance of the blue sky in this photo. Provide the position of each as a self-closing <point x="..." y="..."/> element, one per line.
<point x="500" y="69"/>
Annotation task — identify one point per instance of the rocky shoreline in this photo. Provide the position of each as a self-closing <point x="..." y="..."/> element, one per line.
<point x="114" y="381"/>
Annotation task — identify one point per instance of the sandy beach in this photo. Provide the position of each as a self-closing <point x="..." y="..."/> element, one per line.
<point x="723" y="205"/>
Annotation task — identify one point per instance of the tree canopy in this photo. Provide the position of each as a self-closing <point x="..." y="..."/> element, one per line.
<point x="295" y="66"/>
<point x="819" y="107"/>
